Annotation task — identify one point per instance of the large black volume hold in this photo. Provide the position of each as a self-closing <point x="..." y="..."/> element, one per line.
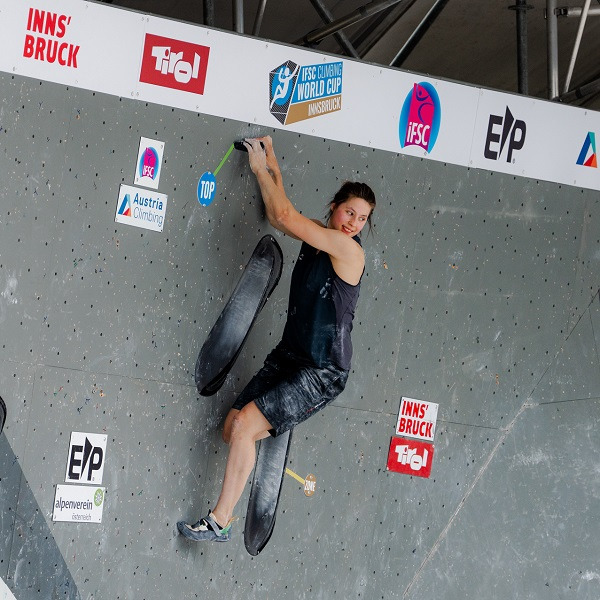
<point x="2" y="414"/>
<point x="227" y="337"/>
<point x="266" y="489"/>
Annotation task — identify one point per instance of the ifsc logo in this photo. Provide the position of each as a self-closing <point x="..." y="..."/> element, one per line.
<point x="420" y="117"/>
<point x="587" y="155"/>
<point x="148" y="163"/>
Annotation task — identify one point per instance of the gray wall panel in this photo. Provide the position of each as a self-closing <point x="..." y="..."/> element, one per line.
<point x="16" y="381"/>
<point x="414" y="512"/>
<point x="533" y="516"/>
<point x="480" y="294"/>
<point x="142" y="491"/>
<point x="595" y="316"/>
<point x="588" y="266"/>
<point x="32" y="130"/>
<point x="322" y="562"/>
<point x="573" y="374"/>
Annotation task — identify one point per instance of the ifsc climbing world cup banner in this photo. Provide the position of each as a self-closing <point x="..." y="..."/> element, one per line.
<point x="297" y="93"/>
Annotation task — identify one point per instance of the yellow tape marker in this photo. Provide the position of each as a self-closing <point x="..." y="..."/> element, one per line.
<point x="296" y="477"/>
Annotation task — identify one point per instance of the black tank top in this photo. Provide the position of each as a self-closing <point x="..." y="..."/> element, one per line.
<point x="320" y="310"/>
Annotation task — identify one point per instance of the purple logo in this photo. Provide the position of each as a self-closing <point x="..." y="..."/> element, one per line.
<point x="420" y="117"/>
<point x="149" y="163"/>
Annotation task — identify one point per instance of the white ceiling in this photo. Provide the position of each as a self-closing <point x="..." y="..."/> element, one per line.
<point x="471" y="41"/>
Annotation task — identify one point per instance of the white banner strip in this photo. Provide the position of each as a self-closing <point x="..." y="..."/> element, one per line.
<point x="129" y="54"/>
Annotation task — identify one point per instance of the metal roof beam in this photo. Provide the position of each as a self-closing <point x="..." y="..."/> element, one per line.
<point x="576" y="11"/>
<point x="238" y="16"/>
<point x="418" y="33"/>
<point x="593" y="87"/>
<point x="521" y="8"/>
<point x="582" y="20"/>
<point x="209" y="12"/>
<point x="552" y="48"/>
<point x="340" y="36"/>
<point x="318" y="35"/>
<point x="260" y="13"/>
<point x="552" y="14"/>
<point x="378" y="26"/>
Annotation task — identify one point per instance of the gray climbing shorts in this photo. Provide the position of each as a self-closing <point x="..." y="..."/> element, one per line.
<point x="288" y="389"/>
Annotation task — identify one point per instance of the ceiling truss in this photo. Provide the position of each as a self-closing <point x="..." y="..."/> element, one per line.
<point x="373" y="20"/>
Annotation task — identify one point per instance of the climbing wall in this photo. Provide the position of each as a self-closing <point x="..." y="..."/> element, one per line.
<point x="481" y="295"/>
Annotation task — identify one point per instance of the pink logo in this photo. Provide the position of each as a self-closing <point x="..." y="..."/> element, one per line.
<point x="420" y="117"/>
<point x="148" y="163"/>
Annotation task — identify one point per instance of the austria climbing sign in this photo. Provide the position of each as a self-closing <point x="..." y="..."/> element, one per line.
<point x="141" y="208"/>
<point x="416" y="419"/>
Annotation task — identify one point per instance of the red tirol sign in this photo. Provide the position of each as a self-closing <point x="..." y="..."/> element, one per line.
<point x="174" y="64"/>
<point x="410" y="457"/>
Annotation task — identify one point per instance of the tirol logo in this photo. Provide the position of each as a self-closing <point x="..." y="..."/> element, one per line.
<point x="174" y="64"/>
<point x="297" y="93"/>
<point x="148" y="163"/>
<point x="410" y="457"/>
<point x="587" y="155"/>
<point x="504" y="132"/>
<point x="420" y="117"/>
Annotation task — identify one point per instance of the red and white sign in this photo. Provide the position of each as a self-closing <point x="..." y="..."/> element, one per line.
<point x="410" y="457"/>
<point x="417" y="419"/>
<point x="174" y="64"/>
<point x="47" y="40"/>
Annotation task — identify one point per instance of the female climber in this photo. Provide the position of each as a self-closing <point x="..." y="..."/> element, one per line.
<point x="309" y="367"/>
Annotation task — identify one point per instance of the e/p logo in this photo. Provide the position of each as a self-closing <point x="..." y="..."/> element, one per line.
<point x="86" y="458"/>
<point x="513" y="131"/>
